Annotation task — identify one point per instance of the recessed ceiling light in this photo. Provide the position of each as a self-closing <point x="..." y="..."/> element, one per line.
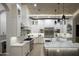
<point x="35" y="5"/>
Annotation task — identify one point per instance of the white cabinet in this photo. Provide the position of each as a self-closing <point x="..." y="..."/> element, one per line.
<point x="21" y="49"/>
<point x="38" y="40"/>
<point x="35" y="40"/>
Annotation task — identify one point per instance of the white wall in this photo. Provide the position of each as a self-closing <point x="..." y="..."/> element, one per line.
<point x="25" y="16"/>
<point x="3" y="23"/>
<point x="2" y="20"/>
<point x="11" y="24"/>
<point x="1" y="7"/>
<point x="47" y="23"/>
<point x="19" y="18"/>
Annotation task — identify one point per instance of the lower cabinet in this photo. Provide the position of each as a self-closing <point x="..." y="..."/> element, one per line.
<point x="26" y="49"/>
<point x="22" y="50"/>
<point x="31" y="45"/>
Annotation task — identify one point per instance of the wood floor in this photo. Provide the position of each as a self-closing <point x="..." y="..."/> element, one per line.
<point x="37" y="50"/>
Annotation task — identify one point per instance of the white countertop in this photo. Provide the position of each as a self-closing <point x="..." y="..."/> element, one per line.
<point x="20" y="44"/>
<point x="61" y="44"/>
<point x="2" y="41"/>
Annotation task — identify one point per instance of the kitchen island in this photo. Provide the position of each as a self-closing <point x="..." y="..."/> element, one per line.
<point x="20" y="49"/>
<point x="60" y="46"/>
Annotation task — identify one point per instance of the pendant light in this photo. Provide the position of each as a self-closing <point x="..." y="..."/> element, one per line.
<point x="55" y="17"/>
<point x="58" y="13"/>
<point x="63" y="16"/>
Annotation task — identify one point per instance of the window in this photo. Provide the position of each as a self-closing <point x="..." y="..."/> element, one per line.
<point x="34" y="22"/>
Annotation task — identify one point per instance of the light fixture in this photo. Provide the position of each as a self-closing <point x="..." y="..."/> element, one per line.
<point x="63" y="16"/>
<point x="58" y="20"/>
<point x="35" y="5"/>
<point x="55" y="22"/>
<point x="55" y="17"/>
<point x="58" y="13"/>
<point x="38" y="9"/>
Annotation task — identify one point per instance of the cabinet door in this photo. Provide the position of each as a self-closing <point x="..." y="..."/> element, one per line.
<point x="28" y="47"/>
<point x="16" y="51"/>
<point x="36" y="40"/>
<point x="24" y="50"/>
